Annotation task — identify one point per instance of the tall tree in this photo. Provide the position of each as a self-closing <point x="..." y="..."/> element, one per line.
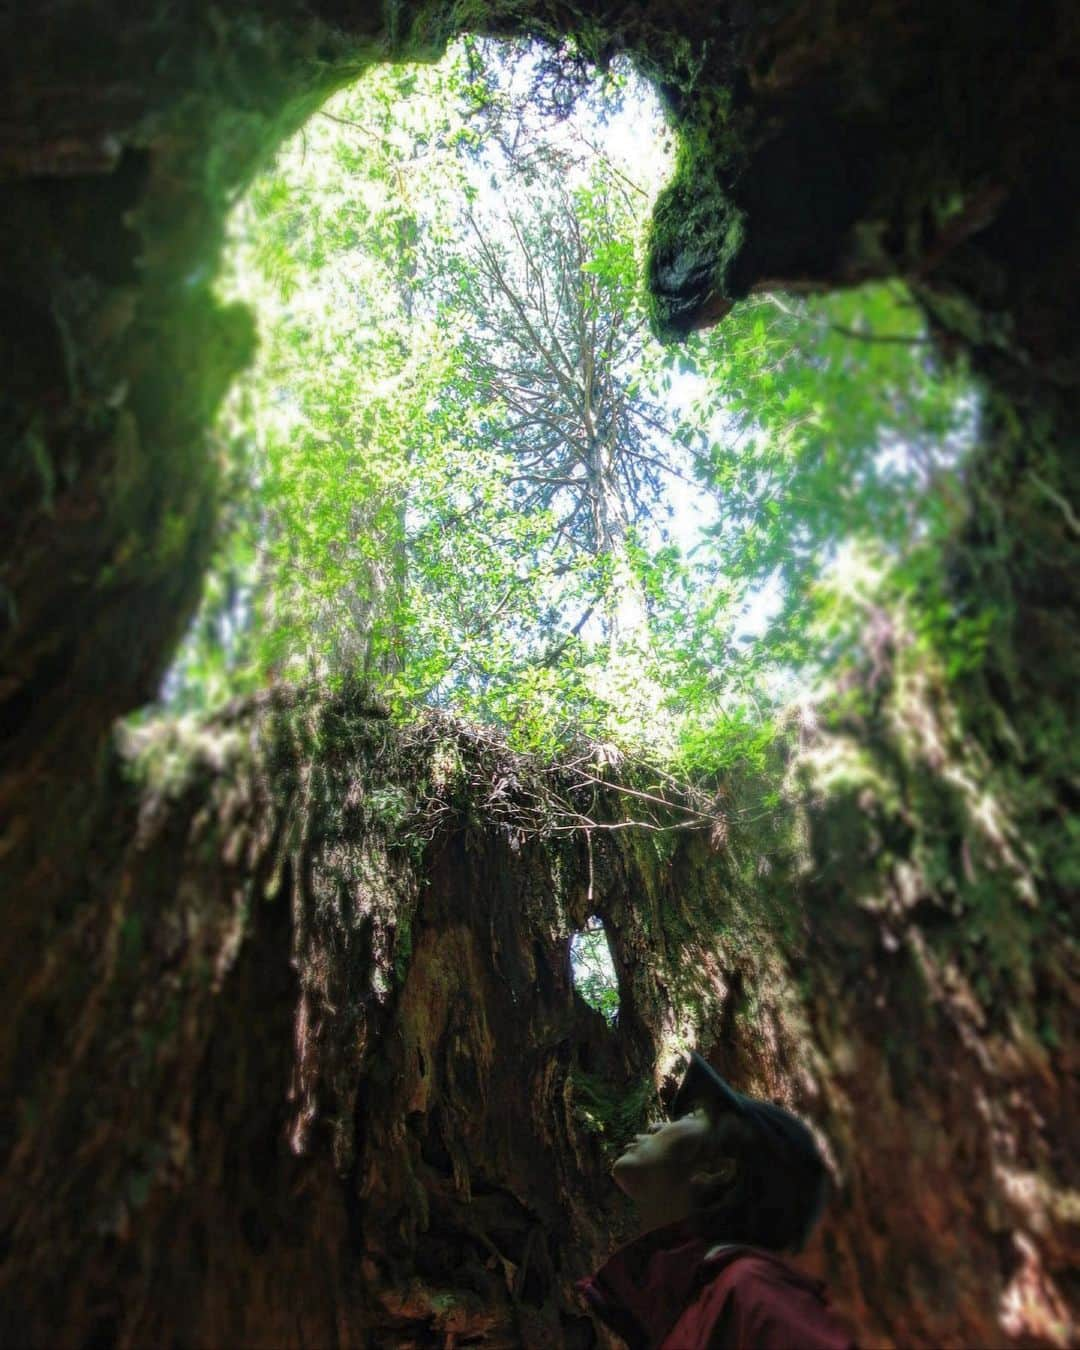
<point x="553" y="378"/>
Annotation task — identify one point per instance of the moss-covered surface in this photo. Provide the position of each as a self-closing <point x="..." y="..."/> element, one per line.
<point x="939" y="894"/>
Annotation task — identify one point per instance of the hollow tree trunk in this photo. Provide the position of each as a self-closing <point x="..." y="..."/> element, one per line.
<point x="323" y="1078"/>
<point x="245" y="1027"/>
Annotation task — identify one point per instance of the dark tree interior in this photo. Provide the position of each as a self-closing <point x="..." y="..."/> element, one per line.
<point x="272" y="1079"/>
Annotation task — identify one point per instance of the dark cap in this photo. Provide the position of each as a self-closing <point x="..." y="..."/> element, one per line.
<point x="788" y="1146"/>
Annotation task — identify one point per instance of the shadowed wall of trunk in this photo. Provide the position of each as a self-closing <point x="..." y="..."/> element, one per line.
<point x="216" y="1127"/>
<point x="323" y="1079"/>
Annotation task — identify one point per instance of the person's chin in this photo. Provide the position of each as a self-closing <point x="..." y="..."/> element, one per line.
<point x="622" y="1167"/>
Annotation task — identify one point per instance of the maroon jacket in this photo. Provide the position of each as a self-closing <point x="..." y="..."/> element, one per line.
<point x="662" y="1292"/>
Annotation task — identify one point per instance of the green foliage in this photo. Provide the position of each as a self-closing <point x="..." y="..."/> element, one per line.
<point x="593" y="970"/>
<point x="609" y="1111"/>
<point x="464" y="474"/>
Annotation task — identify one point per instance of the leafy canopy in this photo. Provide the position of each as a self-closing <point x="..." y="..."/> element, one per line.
<point x="464" y="471"/>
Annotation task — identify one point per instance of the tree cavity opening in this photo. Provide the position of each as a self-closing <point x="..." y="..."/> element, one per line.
<point x="464" y="475"/>
<point x="593" y="968"/>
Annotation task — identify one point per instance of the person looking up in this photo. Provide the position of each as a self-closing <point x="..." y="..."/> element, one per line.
<point x="721" y="1189"/>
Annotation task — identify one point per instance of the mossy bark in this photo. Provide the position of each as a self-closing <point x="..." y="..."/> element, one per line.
<point x="305" y="1064"/>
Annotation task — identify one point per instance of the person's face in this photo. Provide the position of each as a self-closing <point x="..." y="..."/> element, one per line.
<point x="654" y="1171"/>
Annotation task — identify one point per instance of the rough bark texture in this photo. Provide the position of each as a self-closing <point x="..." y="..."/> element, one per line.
<point x="325" y="1079"/>
<point x="271" y="1076"/>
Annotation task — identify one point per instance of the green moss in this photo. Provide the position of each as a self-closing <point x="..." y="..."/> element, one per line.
<point x="166" y="757"/>
<point x="697" y="231"/>
<point x="611" y="1112"/>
